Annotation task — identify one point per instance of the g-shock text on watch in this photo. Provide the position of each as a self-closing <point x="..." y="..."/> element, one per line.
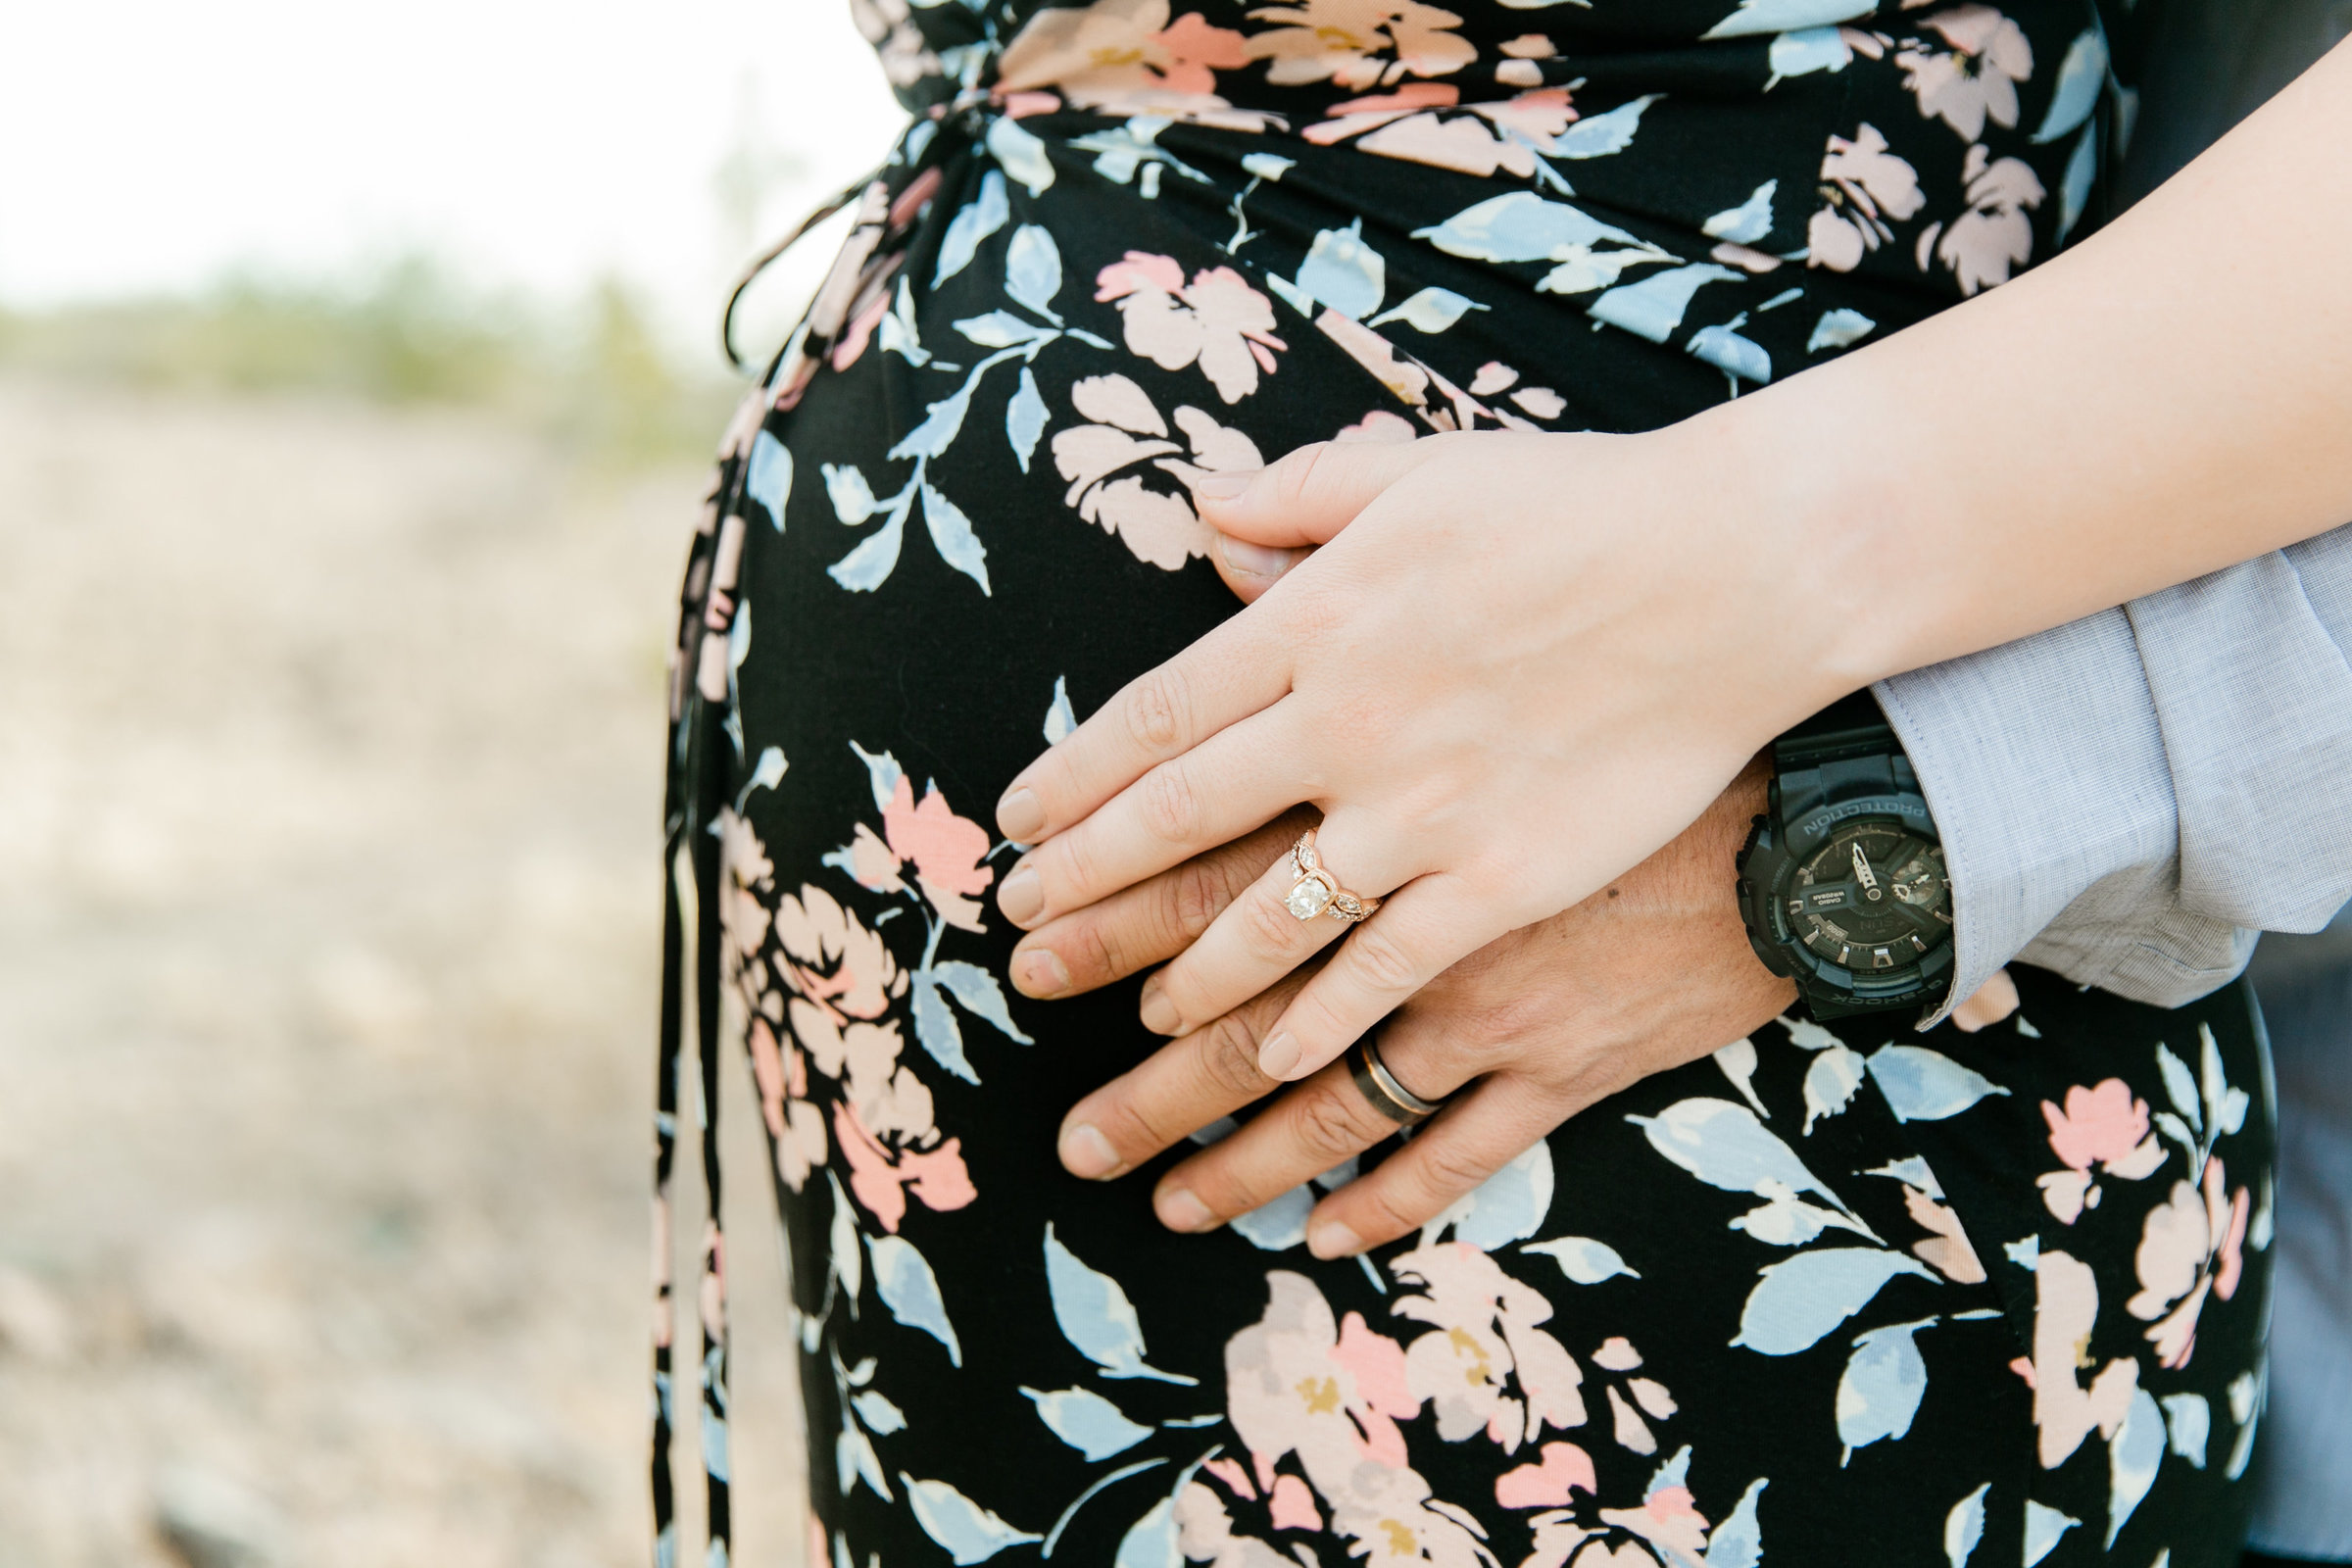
<point x="1841" y="883"/>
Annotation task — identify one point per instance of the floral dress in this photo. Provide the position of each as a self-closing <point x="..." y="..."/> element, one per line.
<point x="1850" y="1296"/>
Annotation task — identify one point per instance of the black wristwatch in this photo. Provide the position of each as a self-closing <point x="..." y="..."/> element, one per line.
<point x="1841" y="883"/>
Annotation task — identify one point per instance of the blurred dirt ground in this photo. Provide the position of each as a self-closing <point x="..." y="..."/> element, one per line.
<point x="329" y="751"/>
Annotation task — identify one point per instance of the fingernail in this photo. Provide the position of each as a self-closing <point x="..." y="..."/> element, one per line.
<point x="1041" y="973"/>
<point x="1223" y="486"/>
<point x="1020" y="816"/>
<point x="1180" y="1210"/>
<point x="1021" y="897"/>
<point x="1086" y="1153"/>
<point x="1158" y="1012"/>
<point x="1332" y="1240"/>
<point x="1278" y="1055"/>
<point x="1253" y="561"/>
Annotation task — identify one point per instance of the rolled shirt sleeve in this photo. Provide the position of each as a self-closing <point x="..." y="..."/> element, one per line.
<point x="2131" y="798"/>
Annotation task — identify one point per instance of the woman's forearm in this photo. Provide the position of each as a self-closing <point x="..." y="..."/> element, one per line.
<point x="2171" y="397"/>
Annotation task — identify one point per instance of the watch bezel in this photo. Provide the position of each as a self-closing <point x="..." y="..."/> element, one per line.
<point x="1768" y="867"/>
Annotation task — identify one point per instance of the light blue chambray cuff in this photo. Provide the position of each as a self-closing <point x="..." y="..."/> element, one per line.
<point x="2044" y="764"/>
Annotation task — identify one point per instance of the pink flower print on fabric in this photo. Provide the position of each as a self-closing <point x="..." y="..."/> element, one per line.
<point x="880" y="1177"/>
<point x="797" y="1126"/>
<point x="1490" y="1367"/>
<point x="945" y="848"/>
<point x="1974" y="80"/>
<point x="2066" y="1307"/>
<point x="832" y="960"/>
<point x="1865" y="190"/>
<point x="2191" y="1244"/>
<point x="1480" y="140"/>
<point x="1564" y="1469"/>
<point x="1300" y="1384"/>
<point x="1158" y="525"/>
<point x="1124" y="57"/>
<point x="1358" y="43"/>
<point x="2103" y="1126"/>
<point x="1216" y="321"/>
<point x="1994" y="234"/>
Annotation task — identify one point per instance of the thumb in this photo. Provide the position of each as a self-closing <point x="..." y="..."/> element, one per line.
<point x="1306" y="494"/>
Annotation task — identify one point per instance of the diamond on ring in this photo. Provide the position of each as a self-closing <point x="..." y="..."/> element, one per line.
<point x="1317" y="891"/>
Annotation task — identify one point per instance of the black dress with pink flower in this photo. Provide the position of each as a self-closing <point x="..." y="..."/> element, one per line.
<point x="1856" y="1296"/>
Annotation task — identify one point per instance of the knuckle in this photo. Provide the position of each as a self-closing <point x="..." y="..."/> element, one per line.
<point x="1328" y="1127"/>
<point x="1155" y="710"/>
<point x="1295" y="475"/>
<point x="1227" y="1056"/>
<point x="1445" y="1170"/>
<point x="1198" y="894"/>
<point x="1168" y="804"/>
<point x="1135" y="1129"/>
<point x="1094" y="952"/>
<point x="1390" y="1214"/>
<point x="1268" y="925"/>
<point x="1378" y="959"/>
<point x="1073" y="856"/>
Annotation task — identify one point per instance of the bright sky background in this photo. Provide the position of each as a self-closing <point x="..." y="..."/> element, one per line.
<point x="154" y="145"/>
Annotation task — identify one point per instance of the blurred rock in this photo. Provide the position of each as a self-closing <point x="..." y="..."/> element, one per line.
<point x="213" y="1522"/>
<point x="34" y="1321"/>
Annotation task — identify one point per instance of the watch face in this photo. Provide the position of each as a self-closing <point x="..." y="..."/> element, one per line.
<point x="1874" y="897"/>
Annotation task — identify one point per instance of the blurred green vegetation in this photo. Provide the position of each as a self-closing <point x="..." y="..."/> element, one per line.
<point x="593" y="375"/>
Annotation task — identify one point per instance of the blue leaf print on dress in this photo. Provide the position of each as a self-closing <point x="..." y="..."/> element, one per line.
<point x="2081" y="75"/>
<point x="943" y="421"/>
<point x="1800" y="1298"/>
<point x="1723" y="1144"/>
<point x="878" y="1414"/>
<point x="1880" y="1390"/>
<point x="852" y="497"/>
<point x="1086" y="1421"/>
<point x="882" y="775"/>
<point x="1964" y="1527"/>
<point x="1344" y="273"/>
<point x="953" y="537"/>
<point x="1738" y="1541"/>
<point x="1060" y="721"/>
<point x="2043" y="1526"/>
<point x="1507" y="1206"/>
<point x="1806" y="50"/>
<point x="1001" y="329"/>
<point x="1723" y="347"/>
<point x="903" y="1278"/>
<point x="1020" y="154"/>
<point x="1923" y="1085"/>
<point x="1033" y="270"/>
<point x="1278" y="1224"/>
<point x="936" y="1029"/>
<point x="1520" y="228"/>
<point x="1152" y="1541"/>
<point x="1787" y="16"/>
<point x="1747" y="222"/>
<point x="1097" y="1318"/>
<point x="1431" y="311"/>
<point x="2133" y="1458"/>
<point x="1600" y="136"/>
<point x="1838" y="327"/>
<point x="1653" y="308"/>
<point x="768" y="477"/>
<point x="981" y="217"/>
<point x="1025" y="418"/>
<point x="1830" y="1082"/>
<point x="978" y="992"/>
<point x="1583" y="1259"/>
<point x="870" y="565"/>
<point x="971" y="1532"/>
<point x="2190" y="1420"/>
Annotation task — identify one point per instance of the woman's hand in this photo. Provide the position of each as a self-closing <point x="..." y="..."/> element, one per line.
<point x="1652" y="972"/>
<point x="1525" y="664"/>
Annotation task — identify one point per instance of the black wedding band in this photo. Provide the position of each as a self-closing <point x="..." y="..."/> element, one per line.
<point x="1380" y="1085"/>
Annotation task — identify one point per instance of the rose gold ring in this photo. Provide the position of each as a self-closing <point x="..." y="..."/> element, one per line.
<point x="1317" y="891"/>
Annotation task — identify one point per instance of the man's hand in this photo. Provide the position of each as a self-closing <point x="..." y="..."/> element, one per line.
<point x="1652" y="972"/>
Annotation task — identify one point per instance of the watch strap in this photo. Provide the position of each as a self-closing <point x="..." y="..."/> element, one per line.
<point x="1844" y="750"/>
